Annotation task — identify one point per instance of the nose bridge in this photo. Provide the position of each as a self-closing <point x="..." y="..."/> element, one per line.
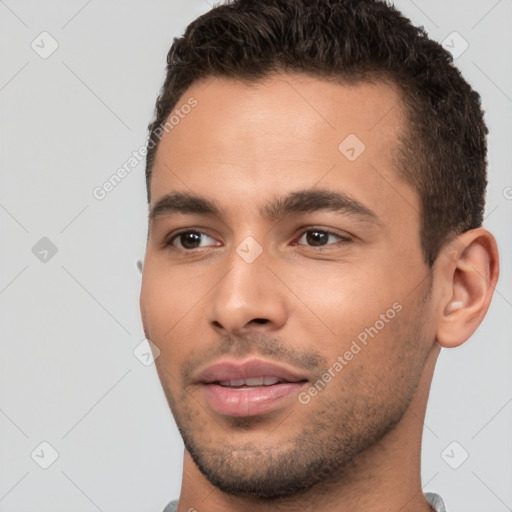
<point x="248" y="290"/>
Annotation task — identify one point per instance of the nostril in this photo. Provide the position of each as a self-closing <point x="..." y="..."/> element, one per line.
<point x="260" y="320"/>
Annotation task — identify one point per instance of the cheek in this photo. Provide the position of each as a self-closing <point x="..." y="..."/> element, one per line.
<point x="172" y="306"/>
<point x="167" y="296"/>
<point x="382" y="363"/>
<point x="161" y="310"/>
<point x="342" y="302"/>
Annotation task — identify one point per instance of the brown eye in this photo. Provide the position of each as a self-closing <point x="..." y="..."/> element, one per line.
<point x="319" y="238"/>
<point x="190" y="240"/>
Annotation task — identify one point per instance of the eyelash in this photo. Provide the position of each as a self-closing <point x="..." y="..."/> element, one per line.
<point x="342" y="239"/>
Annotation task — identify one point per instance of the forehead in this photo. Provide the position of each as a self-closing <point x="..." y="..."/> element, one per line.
<point x="243" y="142"/>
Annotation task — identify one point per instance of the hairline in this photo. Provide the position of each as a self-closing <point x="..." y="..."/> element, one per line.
<point x="375" y="77"/>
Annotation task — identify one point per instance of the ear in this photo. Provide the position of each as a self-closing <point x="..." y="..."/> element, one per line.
<point x="468" y="269"/>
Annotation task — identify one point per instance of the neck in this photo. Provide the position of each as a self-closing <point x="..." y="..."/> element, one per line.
<point x="384" y="478"/>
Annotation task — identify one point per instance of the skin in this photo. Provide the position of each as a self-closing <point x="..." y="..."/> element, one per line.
<point x="300" y="304"/>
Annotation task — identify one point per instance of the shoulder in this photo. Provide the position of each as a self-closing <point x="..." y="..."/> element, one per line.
<point x="435" y="500"/>
<point x="171" y="507"/>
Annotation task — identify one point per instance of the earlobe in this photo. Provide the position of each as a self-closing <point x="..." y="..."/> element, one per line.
<point x="468" y="268"/>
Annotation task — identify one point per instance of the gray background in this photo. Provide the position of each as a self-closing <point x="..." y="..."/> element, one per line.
<point x="70" y="323"/>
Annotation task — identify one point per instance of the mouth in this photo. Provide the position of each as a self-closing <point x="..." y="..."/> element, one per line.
<point x="252" y="383"/>
<point x="249" y="388"/>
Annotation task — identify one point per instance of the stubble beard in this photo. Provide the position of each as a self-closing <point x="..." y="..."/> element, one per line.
<point x="338" y="425"/>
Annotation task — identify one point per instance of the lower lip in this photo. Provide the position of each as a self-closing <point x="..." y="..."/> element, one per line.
<point x="249" y="401"/>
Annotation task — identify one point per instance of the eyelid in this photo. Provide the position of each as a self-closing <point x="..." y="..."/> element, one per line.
<point x="344" y="237"/>
<point x="168" y="242"/>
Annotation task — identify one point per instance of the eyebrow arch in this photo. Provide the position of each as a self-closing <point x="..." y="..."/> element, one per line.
<point x="312" y="200"/>
<point x="183" y="202"/>
<point x="302" y="201"/>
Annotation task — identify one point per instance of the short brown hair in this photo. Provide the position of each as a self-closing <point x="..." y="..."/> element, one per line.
<point x="443" y="153"/>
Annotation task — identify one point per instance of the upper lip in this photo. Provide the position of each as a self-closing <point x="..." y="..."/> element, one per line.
<point x="226" y="370"/>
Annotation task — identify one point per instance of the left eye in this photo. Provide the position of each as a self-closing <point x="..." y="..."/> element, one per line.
<point x="319" y="238"/>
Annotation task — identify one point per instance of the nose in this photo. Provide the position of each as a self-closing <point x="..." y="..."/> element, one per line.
<point x="248" y="298"/>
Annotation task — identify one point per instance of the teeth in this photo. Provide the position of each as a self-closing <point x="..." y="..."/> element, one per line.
<point x="239" y="382"/>
<point x="254" y="381"/>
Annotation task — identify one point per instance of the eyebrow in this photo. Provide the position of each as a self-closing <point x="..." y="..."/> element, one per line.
<point x="302" y="201"/>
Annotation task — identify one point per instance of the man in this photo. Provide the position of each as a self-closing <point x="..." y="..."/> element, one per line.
<point x="316" y="174"/>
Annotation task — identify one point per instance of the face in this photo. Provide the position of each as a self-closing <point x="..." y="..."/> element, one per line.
<point x="283" y="280"/>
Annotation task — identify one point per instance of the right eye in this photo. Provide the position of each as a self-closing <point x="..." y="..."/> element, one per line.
<point x="190" y="239"/>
